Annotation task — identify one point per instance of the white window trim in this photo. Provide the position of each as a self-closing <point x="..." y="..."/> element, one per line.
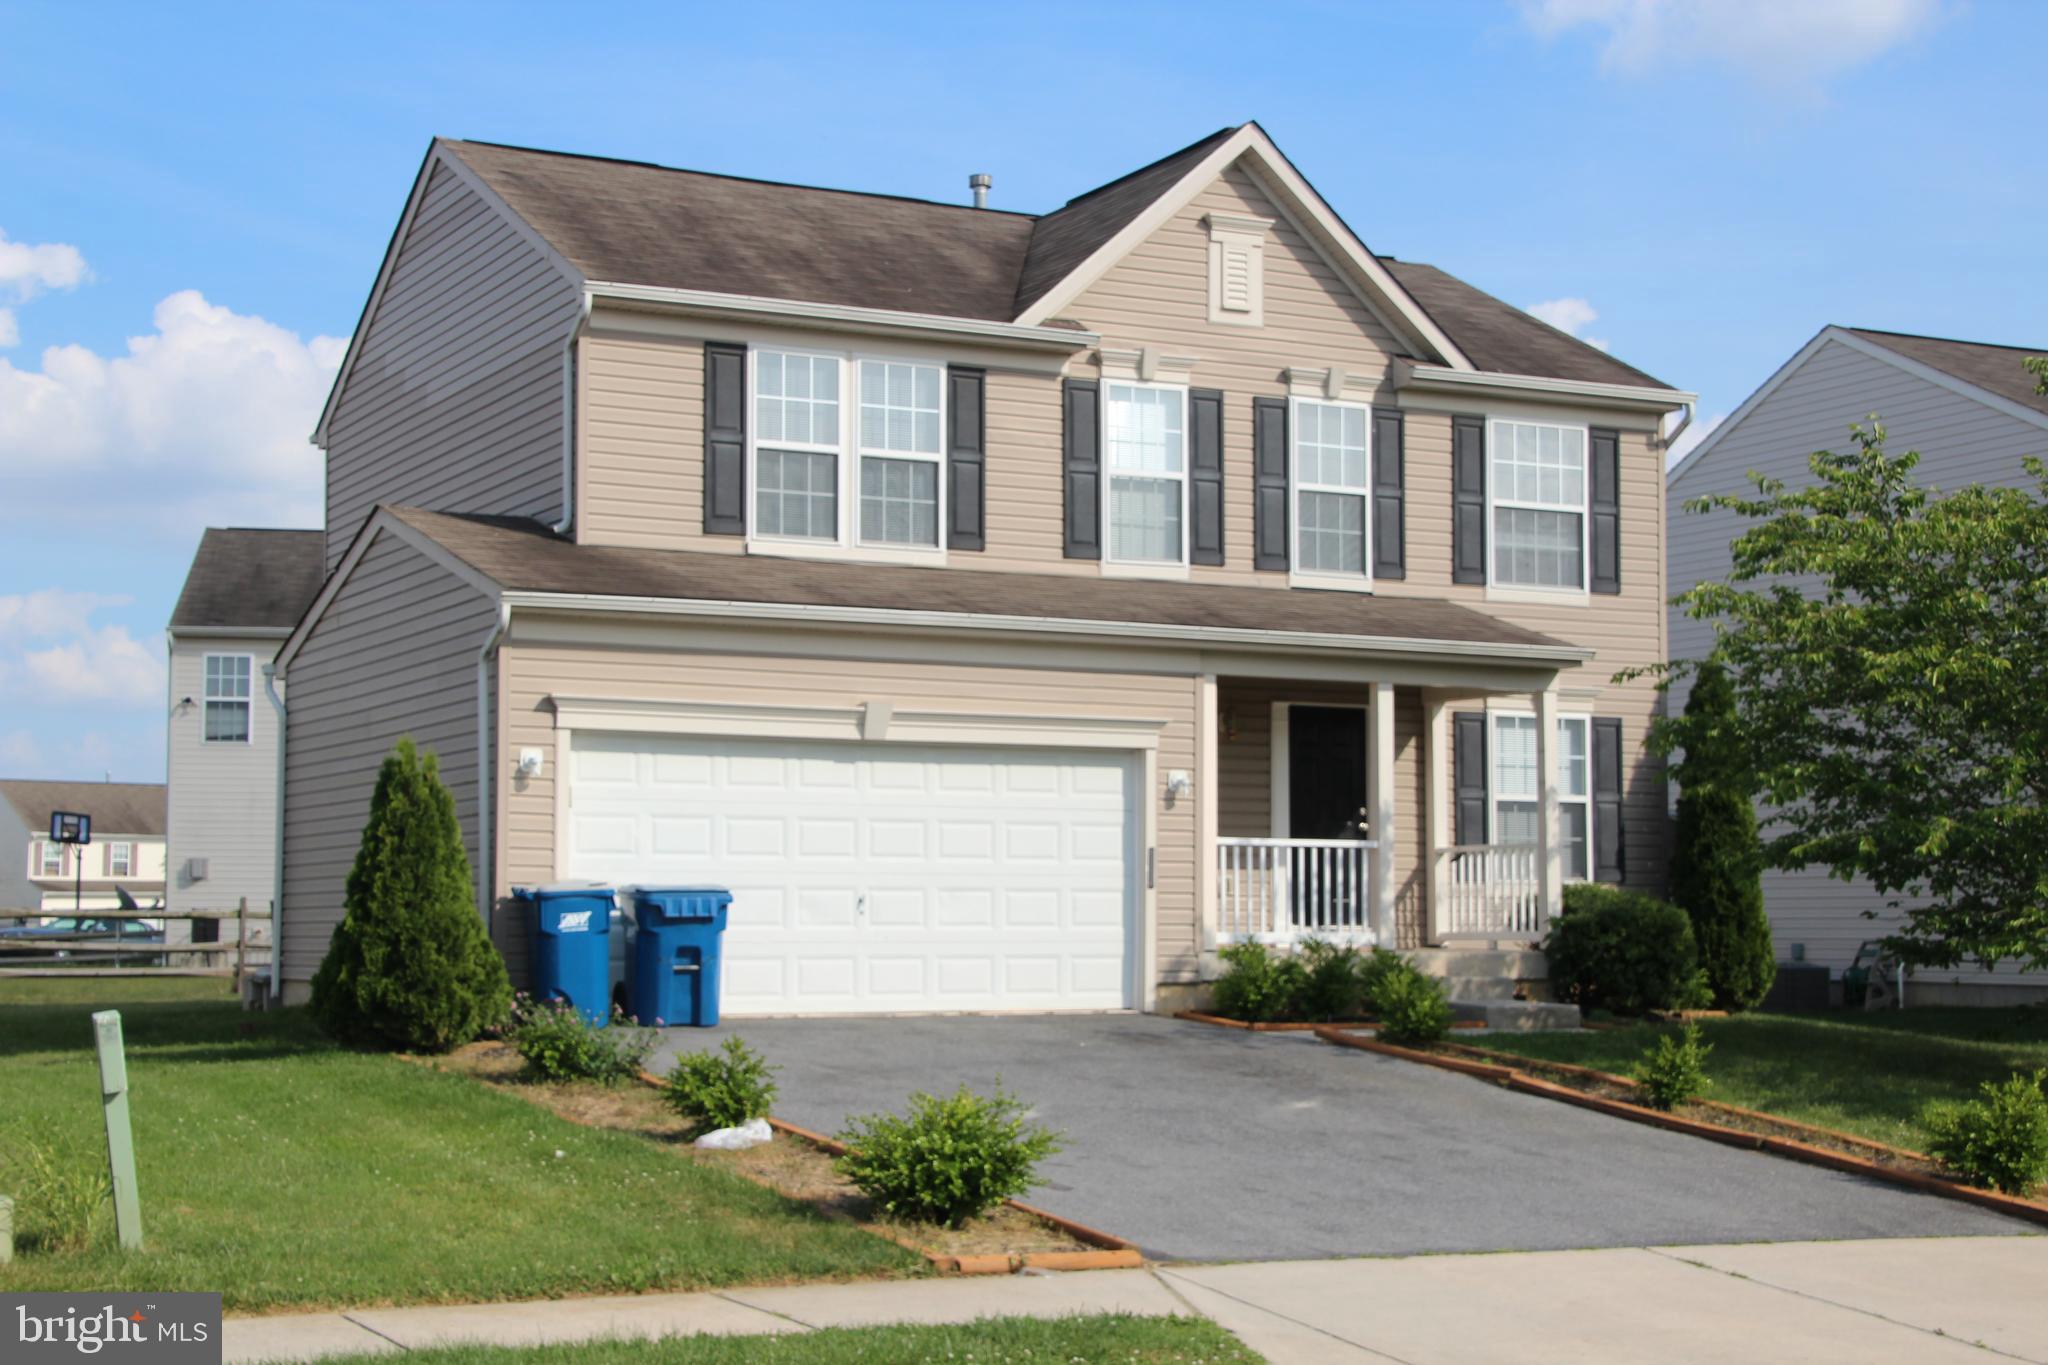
<point x="1528" y="592"/>
<point x="127" y="851"/>
<point x="1297" y="576"/>
<point x="1148" y="568"/>
<point x="40" y="862"/>
<point x="248" y="701"/>
<point x="1583" y="719"/>
<point x="846" y="544"/>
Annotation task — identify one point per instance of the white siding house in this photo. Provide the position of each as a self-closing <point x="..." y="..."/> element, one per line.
<point x="1971" y="412"/>
<point x="126" y="854"/>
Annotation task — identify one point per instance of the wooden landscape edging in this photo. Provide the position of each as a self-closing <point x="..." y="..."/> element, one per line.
<point x="1514" y="1079"/>
<point x="1112" y="1252"/>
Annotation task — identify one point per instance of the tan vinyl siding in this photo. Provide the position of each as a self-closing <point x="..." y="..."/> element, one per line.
<point x="455" y="399"/>
<point x="641" y="444"/>
<point x="394" y="655"/>
<point x="535" y="672"/>
<point x="222" y="798"/>
<point x="1961" y="440"/>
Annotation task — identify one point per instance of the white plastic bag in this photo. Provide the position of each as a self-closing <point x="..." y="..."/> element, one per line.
<point x="752" y="1133"/>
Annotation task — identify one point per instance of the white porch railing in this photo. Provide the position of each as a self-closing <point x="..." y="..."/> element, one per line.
<point x="1490" y="891"/>
<point x="1280" y="891"/>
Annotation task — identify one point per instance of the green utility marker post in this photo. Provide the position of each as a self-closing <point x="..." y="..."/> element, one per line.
<point x="106" y="1028"/>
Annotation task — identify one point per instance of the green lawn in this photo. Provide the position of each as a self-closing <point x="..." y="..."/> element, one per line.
<point x="1870" y="1074"/>
<point x="1139" y="1341"/>
<point x="287" y="1173"/>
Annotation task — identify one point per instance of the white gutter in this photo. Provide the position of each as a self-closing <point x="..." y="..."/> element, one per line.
<point x="277" y="843"/>
<point x="1409" y="374"/>
<point x="569" y="417"/>
<point x="1670" y="437"/>
<point x="842" y="317"/>
<point x="486" y="811"/>
<point x="1220" y="636"/>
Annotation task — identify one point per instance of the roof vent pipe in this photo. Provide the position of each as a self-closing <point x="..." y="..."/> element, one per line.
<point x="980" y="182"/>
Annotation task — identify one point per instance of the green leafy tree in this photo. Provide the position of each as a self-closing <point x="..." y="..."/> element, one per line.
<point x="1888" y="650"/>
<point x="410" y="966"/>
<point x="1717" y="864"/>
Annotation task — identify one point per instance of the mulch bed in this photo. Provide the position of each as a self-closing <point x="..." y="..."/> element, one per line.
<point x="799" y="1165"/>
<point x="1729" y="1124"/>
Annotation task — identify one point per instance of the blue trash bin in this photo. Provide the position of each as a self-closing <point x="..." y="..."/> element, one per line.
<point x="675" y="953"/>
<point x="572" y="945"/>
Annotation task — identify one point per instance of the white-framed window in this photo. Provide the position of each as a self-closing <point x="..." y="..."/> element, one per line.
<point x="902" y="409"/>
<point x="120" y="860"/>
<point x="846" y="451"/>
<point x="227" y="702"/>
<point x="1516" y="787"/>
<point x="798" y="438"/>
<point x="1145" y="488"/>
<point x="1537" y="485"/>
<point x="49" y="859"/>
<point x="1332" y="481"/>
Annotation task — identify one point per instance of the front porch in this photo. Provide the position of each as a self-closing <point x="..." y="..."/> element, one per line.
<point x="1345" y="812"/>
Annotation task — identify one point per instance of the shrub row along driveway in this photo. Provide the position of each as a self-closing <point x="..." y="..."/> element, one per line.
<point x="1209" y="1144"/>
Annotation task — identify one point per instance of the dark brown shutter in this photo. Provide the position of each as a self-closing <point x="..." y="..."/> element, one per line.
<point x="1389" y="497"/>
<point x="1469" y="776"/>
<point x="1606" y="537"/>
<point x="725" y="439"/>
<point x="1081" y="439"/>
<point x="966" y="458"/>
<point x="1269" y="483"/>
<point x="1610" y="848"/>
<point x="1205" y="476"/>
<point x="1468" y="500"/>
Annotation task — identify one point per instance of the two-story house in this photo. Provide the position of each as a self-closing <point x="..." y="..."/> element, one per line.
<point x="38" y="873"/>
<point x="245" y="591"/>
<point x="1012" y="609"/>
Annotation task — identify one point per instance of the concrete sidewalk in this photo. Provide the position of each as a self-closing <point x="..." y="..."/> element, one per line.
<point x="1931" y="1299"/>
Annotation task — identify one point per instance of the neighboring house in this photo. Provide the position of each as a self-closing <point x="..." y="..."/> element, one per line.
<point x="126" y="852"/>
<point x="1011" y="609"/>
<point x="1971" y="411"/>
<point x="245" y="591"/>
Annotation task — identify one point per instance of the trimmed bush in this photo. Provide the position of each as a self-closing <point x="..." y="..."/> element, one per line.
<point x="1380" y="966"/>
<point x="1717" y="862"/>
<point x="1258" y="985"/>
<point x="1332" y="982"/>
<point x="410" y="967"/>
<point x="1621" y="950"/>
<point x="559" y="1044"/>
<point x="950" y="1159"/>
<point x="722" y="1089"/>
<point x="1675" y="1070"/>
<point x="1411" y="1007"/>
<point x="1999" y="1142"/>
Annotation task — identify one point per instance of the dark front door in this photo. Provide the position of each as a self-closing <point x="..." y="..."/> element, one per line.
<point x="1325" y="772"/>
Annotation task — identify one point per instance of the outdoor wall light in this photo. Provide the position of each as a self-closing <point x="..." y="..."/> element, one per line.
<point x="530" y="762"/>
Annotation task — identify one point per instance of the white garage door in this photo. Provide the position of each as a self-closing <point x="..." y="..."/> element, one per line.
<point x="872" y="880"/>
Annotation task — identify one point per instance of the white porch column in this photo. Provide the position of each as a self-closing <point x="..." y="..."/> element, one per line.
<point x="1436" y="730"/>
<point x="1550" y="821"/>
<point x="1206" y="792"/>
<point x="1381" y="816"/>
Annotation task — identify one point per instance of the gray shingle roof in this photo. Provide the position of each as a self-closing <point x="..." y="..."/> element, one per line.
<point x="524" y="556"/>
<point x="251" y="579"/>
<point x="631" y="222"/>
<point x="1995" y="369"/>
<point x="115" y="807"/>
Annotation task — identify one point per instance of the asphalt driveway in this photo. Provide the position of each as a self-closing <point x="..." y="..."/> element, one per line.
<point x="1201" y="1143"/>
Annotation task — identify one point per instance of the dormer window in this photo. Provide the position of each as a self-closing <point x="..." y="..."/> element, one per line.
<point x="1237" y="269"/>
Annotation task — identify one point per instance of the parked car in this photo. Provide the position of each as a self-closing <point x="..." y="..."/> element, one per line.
<point x="68" y="934"/>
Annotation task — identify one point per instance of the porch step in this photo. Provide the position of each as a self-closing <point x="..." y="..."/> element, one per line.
<point x="1479" y="987"/>
<point x="1508" y="964"/>
<point x="1517" y="1016"/>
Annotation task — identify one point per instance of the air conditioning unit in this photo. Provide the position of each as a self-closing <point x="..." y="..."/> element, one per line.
<point x="195" y="869"/>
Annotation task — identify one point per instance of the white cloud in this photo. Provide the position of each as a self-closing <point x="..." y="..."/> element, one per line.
<point x="203" y="422"/>
<point x="53" y="653"/>
<point x="1700" y="429"/>
<point x="10" y="330"/>
<point x="27" y="269"/>
<point x="1571" y="316"/>
<point x="1777" y="42"/>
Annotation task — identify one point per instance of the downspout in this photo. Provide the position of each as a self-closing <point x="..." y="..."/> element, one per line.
<point x="486" y="807"/>
<point x="277" y="844"/>
<point x="1671" y="438"/>
<point x="568" y="520"/>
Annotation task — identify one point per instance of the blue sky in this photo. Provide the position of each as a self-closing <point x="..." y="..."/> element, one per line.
<point x="194" y="200"/>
